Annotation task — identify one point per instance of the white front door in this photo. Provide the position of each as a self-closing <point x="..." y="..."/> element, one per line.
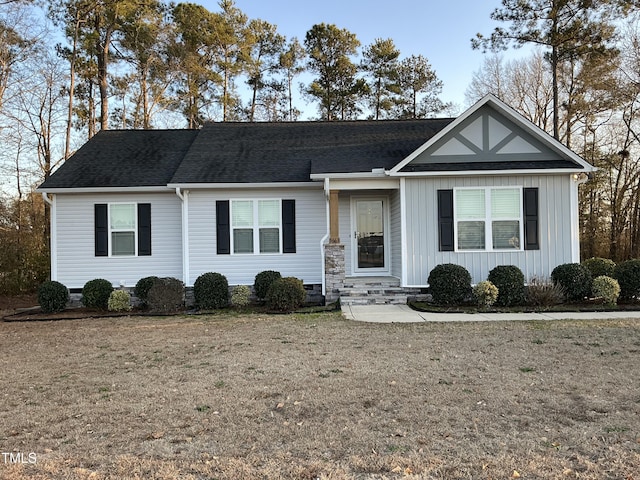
<point x="370" y="244"/>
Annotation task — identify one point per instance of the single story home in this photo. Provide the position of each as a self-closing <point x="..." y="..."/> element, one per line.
<point x="321" y="201"/>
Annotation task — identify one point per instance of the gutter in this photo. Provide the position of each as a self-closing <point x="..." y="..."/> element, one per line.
<point x="53" y="235"/>
<point x="323" y="240"/>
<point x="184" y="197"/>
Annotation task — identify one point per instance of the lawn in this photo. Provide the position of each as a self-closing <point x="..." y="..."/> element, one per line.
<point x="316" y="396"/>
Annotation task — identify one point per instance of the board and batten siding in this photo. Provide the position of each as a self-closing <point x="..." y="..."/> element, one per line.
<point x="311" y="227"/>
<point x="395" y="236"/>
<point x="76" y="260"/>
<point x="422" y="228"/>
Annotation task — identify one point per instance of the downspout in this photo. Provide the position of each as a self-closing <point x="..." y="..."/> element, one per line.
<point x="53" y="235"/>
<point x="326" y="236"/>
<point x="184" y="197"/>
<point x="577" y="179"/>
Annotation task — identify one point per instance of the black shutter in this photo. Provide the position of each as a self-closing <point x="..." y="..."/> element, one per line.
<point x="144" y="229"/>
<point x="223" y="233"/>
<point x="288" y="226"/>
<point x="445" y="220"/>
<point x="101" y="226"/>
<point x="531" y="230"/>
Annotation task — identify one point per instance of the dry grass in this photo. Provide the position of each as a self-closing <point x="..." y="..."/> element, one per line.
<point x="319" y="397"/>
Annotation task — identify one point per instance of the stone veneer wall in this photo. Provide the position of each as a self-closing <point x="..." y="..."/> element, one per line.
<point x="334" y="270"/>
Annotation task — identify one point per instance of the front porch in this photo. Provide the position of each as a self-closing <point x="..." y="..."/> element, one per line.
<point x="375" y="291"/>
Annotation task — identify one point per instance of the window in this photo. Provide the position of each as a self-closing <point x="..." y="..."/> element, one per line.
<point x="122" y="229"/>
<point x="256" y="226"/>
<point x="488" y="218"/>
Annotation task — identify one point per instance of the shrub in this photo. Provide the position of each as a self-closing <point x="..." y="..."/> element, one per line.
<point x="166" y="295"/>
<point x="544" y="293"/>
<point x="450" y="284"/>
<point x="240" y="296"/>
<point x="600" y="266"/>
<point x="119" y="301"/>
<point x="211" y="290"/>
<point x="286" y="294"/>
<point x="52" y="296"/>
<point x="95" y="293"/>
<point x="606" y="288"/>
<point x="628" y="276"/>
<point x="141" y="290"/>
<point x="485" y="293"/>
<point x="575" y="280"/>
<point x="510" y="282"/>
<point x="263" y="281"/>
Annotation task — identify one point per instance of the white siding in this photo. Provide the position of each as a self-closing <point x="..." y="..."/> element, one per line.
<point x="395" y="234"/>
<point x="422" y="228"/>
<point x="305" y="264"/>
<point x="77" y="263"/>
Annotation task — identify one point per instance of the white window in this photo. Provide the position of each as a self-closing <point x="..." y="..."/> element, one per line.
<point x="488" y="219"/>
<point x="122" y="228"/>
<point x="256" y="226"/>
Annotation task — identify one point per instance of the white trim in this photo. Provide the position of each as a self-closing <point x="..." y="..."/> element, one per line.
<point x="255" y="209"/>
<point x="347" y="175"/>
<point x="325" y="237"/>
<point x="385" y="183"/>
<point x="111" y="230"/>
<point x="403" y="232"/>
<point x="386" y="225"/>
<point x="216" y="186"/>
<point x="575" y="220"/>
<point x="458" y="173"/>
<point x="163" y="188"/>
<point x="53" y="234"/>
<point x="184" y="199"/>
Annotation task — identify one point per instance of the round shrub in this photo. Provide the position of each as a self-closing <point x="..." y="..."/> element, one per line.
<point x="119" y="301"/>
<point x="286" y="294"/>
<point x="166" y="295"/>
<point x="263" y="281"/>
<point x="52" y="296"/>
<point x="575" y="280"/>
<point x="510" y="282"/>
<point x="240" y="296"/>
<point x="628" y="276"/>
<point x="95" y="293"/>
<point x="606" y="288"/>
<point x="450" y="284"/>
<point x="600" y="266"/>
<point x="211" y="290"/>
<point x="141" y="290"/>
<point x="485" y="293"/>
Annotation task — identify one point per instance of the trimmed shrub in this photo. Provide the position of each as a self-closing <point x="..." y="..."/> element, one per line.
<point x="286" y="294"/>
<point x="575" y="280"/>
<point x="600" y="266"/>
<point x="606" y="288"/>
<point x="263" y="281"/>
<point x="628" y="276"/>
<point x="119" y="301"/>
<point x="485" y="293"/>
<point x="95" y="293"/>
<point x="52" y="296"/>
<point x="240" y="296"/>
<point x="166" y="295"/>
<point x="450" y="284"/>
<point x="510" y="282"/>
<point x="141" y="290"/>
<point x="544" y="293"/>
<point x="211" y="290"/>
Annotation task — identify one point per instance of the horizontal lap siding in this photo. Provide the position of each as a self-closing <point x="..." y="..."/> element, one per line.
<point x="77" y="263"/>
<point x="311" y="226"/>
<point x="422" y="228"/>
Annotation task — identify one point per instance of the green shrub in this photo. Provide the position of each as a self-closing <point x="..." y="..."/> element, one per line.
<point x="240" y="296"/>
<point x="141" y="290"/>
<point x="510" y="282"/>
<point x="600" y="266"/>
<point x="95" y="293"/>
<point x="263" y="281"/>
<point x="286" y="294"/>
<point x="606" y="288"/>
<point x="575" y="280"/>
<point x="52" y="296"/>
<point x="450" y="284"/>
<point x="119" y="301"/>
<point x="544" y="293"/>
<point x="628" y="276"/>
<point x="485" y="293"/>
<point x="211" y="290"/>
<point x="166" y="295"/>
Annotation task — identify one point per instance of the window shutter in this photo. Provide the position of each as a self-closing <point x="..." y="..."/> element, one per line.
<point x="101" y="226"/>
<point x="144" y="229"/>
<point x="288" y="226"/>
<point x="445" y="220"/>
<point x="531" y="231"/>
<point x="223" y="238"/>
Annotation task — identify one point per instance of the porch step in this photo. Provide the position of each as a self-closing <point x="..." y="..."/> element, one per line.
<point x="375" y="291"/>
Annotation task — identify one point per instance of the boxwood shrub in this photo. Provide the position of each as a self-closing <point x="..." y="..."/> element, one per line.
<point x="628" y="276"/>
<point x="211" y="290"/>
<point x="166" y="295"/>
<point x="95" y="293"/>
<point x="52" y="296"/>
<point x="263" y="281"/>
<point x="485" y="293"/>
<point x="141" y="290"/>
<point x="510" y="282"/>
<point x="606" y="288"/>
<point x="600" y="266"/>
<point x="119" y="301"/>
<point x="575" y="280"/>
<point x="240" y="296"/>
<point x="450" y="284"/>
<point x="286" y="294"/>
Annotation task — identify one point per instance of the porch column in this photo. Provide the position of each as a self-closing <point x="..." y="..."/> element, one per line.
<point x="334" y="221"/>
<point x="334" y="253"/>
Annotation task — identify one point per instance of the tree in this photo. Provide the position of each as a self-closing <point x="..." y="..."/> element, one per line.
<point x="291" y="63"/>
<point x="420" y="89"/>
<point x="380" y="61"/>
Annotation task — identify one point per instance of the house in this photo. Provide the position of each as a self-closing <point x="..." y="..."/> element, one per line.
<point x="322" y="201"/>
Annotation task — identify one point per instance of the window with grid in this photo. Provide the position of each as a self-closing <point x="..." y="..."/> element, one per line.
<point x="256" y="226"/>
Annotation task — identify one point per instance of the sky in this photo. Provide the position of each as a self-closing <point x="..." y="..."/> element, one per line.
<point x="439" y="30"/>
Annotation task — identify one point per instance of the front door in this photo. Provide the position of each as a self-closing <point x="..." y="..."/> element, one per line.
<point x="370" y="245"/>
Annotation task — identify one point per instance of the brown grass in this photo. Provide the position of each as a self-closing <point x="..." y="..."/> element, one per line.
<point x="315" y="396"/>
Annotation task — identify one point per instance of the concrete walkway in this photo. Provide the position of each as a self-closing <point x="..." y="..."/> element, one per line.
<point x="405" y="314"/>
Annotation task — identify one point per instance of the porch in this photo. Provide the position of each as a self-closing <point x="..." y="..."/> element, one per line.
<point x="376" y="291"/>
